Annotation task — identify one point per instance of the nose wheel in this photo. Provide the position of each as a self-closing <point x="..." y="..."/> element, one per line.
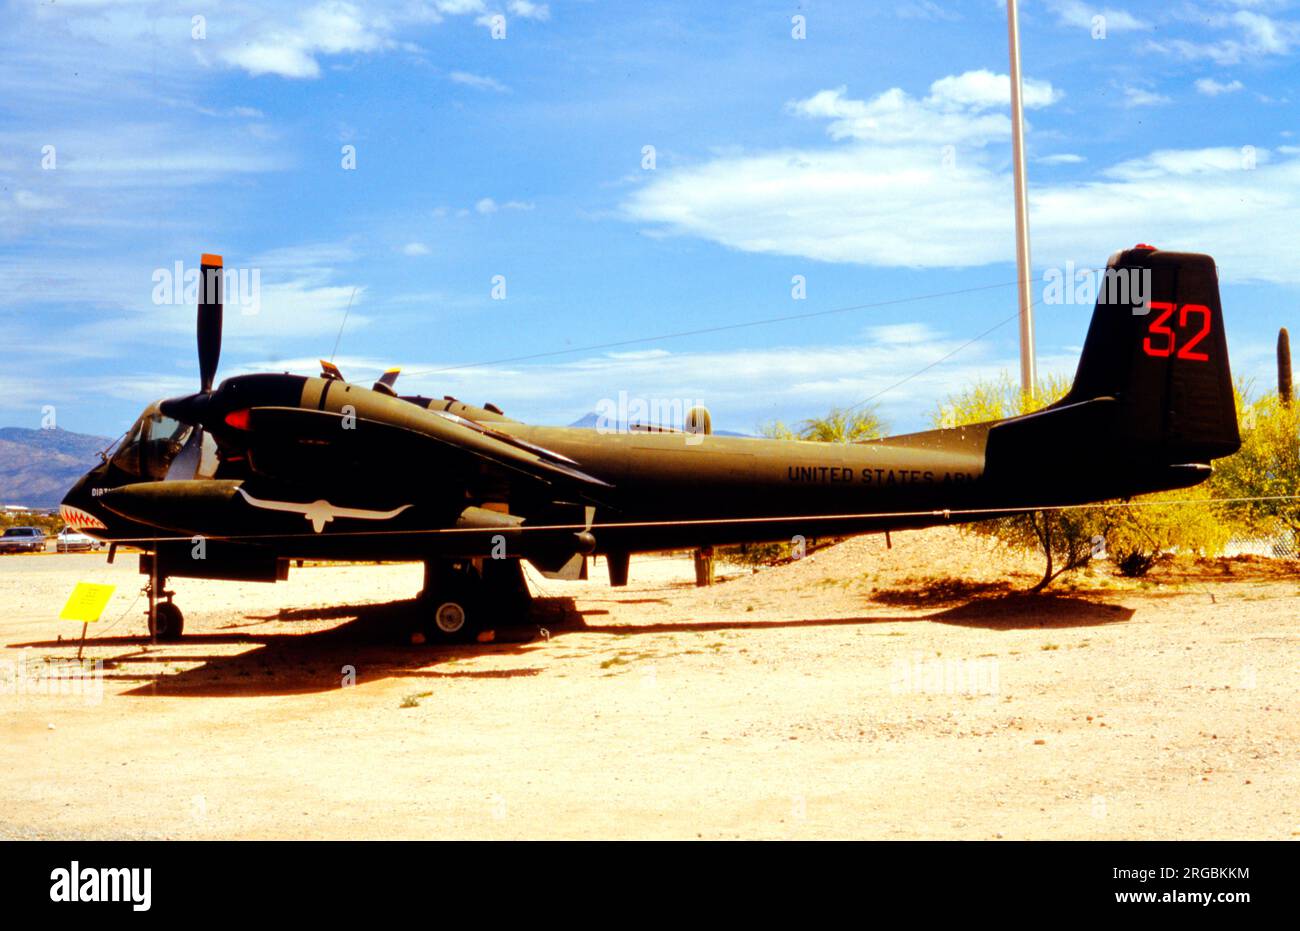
<point x="166" y="622"/>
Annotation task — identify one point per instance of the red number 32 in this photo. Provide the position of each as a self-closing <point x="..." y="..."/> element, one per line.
<point x="1160" y="328"/>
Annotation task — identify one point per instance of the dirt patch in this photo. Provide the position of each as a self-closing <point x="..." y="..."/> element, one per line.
<point x="864" y="691"/>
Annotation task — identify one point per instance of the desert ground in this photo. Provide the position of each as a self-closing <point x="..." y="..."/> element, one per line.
<point x="861" y="692"/>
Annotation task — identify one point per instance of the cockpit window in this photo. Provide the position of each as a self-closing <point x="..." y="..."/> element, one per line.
<point x="111" y="449"/>
<point x="150" y="446"/>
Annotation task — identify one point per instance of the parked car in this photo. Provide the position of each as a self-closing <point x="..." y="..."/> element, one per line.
<point x="72" y="540"/>
<point x="22" y="540"/>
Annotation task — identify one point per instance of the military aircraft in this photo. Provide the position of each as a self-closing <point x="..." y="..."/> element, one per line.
<point x="234" y="482"/>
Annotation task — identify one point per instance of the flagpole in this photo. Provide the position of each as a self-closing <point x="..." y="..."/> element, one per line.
<point x="1028" y="365"/>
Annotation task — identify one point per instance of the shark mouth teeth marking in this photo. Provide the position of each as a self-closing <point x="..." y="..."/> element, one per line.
<point x="81" y="520"/>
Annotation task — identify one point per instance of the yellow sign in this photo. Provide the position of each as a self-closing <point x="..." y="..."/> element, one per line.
<point x="87" y="602"/>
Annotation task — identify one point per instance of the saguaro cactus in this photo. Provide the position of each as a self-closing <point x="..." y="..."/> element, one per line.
<point x="1284" y="366"/>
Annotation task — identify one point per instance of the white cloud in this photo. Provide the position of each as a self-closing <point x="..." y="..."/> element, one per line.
<point x="460" y="7"/>
<point x="925" y="9"/>
<point x="528" y="10"/>
<point x="736" y="384"/>
<point x="901" y="205"/>
<point x="1083" y="16"/>
<point x="836" y="205"/>
<point x="1258" y="37"/>
<point x="415" y="249"/>
<point x="478" y="82"/>
<point x="1141" y="97"/>
<point x="1264" y="34"/>
<point x="488" y="205"/>
<point x="982" y="89"/>
<point x="954" y="113"/>
<point x="290" y="49"/>
<point x="1212" y="88"/>
<point x="292" y="42"/>
<point x="1062" y="158"/>
<point x="28" y="200"/>
<point x="1184" y="163"/>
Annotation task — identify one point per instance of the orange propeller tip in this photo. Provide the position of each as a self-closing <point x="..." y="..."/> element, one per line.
<point x="210" y="259"/>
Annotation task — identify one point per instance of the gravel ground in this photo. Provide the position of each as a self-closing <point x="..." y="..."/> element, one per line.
<point x="864" y="691"/>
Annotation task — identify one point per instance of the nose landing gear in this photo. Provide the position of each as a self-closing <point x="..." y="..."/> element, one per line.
<point x="166" y="622"/>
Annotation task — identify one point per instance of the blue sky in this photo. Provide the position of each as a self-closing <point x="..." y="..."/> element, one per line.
<point x="871" y="157"/>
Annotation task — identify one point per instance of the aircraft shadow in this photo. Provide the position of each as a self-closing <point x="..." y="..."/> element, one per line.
<point x="375" y="643"/>
<point x="1017" y="611"/>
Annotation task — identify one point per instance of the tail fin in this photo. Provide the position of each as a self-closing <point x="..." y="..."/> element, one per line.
<point x="1156" y="344"/>
<point x="1151" y="403"/>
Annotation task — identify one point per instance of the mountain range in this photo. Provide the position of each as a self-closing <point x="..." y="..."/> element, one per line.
<point x="37" y="467"/>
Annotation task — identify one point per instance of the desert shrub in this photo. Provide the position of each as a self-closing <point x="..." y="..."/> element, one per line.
<point x="50" y="523"/>
<point x="757" y="554"/>
<point x="1066" y="538"/>
<point x="1133" y="537"/>
<point x="1266" y="466"/>
<point x="996" y="399"/>
<point x="841" y="425"/>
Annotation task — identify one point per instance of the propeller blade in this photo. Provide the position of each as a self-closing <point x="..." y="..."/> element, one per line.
<point x="209" y="327"/>
<point x="386" y="382"/>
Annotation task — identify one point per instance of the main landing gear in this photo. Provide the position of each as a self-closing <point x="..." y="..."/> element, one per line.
<point x="465" y="599"/>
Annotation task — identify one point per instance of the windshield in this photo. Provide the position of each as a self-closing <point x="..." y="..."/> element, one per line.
<point x="150" y="446"/>
<point x="109" y="451"/>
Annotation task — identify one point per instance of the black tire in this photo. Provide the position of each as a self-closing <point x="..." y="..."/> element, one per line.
<point x="169" y="623"/>
<point x="453" y="610"/>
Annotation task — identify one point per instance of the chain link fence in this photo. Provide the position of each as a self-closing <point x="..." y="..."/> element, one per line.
<point x="1282" y="545"/>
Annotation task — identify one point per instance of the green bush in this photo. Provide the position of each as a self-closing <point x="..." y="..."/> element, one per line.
<point x="841" y="425"/>
<point x="1266" y="466"/>
<point x="1134" y="537"/>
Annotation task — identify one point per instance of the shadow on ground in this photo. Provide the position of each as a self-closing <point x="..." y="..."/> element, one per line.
<point x="374" y="642"/>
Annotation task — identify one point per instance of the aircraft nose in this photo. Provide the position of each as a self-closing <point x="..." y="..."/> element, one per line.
<point x="73" y="510"/>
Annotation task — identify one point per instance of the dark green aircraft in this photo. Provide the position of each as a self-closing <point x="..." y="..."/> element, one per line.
<point x="236" y="481"/>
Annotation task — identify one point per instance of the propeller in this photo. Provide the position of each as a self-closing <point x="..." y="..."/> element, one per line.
<point x="189" y="409"/>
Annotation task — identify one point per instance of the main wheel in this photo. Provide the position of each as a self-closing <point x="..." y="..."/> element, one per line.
<point x="450" y="617"/>
<point x="168" y="624"/>
<point x="453" y="614"/>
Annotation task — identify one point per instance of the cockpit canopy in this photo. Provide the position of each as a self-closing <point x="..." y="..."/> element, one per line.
<point x="153" y="442"/>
